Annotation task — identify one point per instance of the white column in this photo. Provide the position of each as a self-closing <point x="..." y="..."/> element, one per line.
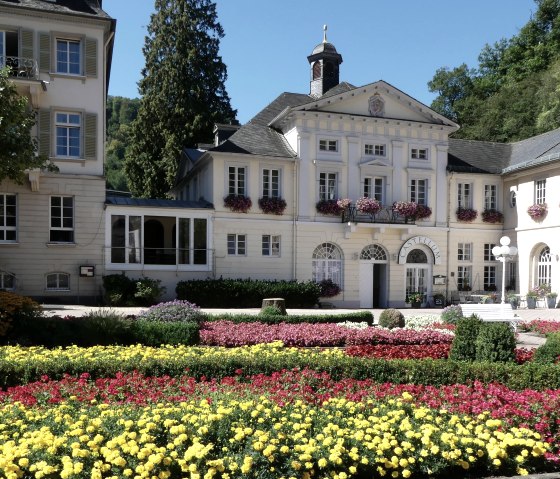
<point x="440" y="191"/>
<point x="400" y="178"/>
<point x="306" y="180"/>
<point x="353" y="184"/>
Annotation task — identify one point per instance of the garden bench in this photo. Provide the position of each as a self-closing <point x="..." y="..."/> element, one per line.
<point x="501" y="313"/>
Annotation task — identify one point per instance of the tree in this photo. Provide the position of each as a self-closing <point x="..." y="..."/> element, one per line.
<point x="182" y="91"/>
<point x="18" y="149"/>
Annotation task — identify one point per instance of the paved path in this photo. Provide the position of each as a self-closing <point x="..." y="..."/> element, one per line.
<point x="526" y="340"/>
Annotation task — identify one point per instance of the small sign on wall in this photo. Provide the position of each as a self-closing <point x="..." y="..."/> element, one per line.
<point x="87" y="271"/>
<point x="439" y="279"/>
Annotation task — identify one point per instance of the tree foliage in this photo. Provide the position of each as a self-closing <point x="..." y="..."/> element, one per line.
<point x="513" y="93"/>
<point x="182" y="92"/>
<point x="18" y="148"/>
<point x="121" y="112"/>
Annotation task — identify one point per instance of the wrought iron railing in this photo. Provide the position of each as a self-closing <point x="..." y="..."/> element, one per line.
<point x="20" y="67"/>
<point x="385" y="215"/>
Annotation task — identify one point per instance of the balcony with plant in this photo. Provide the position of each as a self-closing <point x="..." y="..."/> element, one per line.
<point x="368" y="206"/>
<point x="466" y="214"/>
<point x="492" y="216"/>
<point x="537" y="211"/>
<point x="272" y="206"/>
<point x="238" y="203"/>
<point x="329" y="208"/>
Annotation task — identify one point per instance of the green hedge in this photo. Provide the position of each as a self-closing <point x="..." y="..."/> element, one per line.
<point x="247" y="293"/>
<point x="101" y="330"/>
<point x="357" y="317"/>
<point x="427" y="372"/>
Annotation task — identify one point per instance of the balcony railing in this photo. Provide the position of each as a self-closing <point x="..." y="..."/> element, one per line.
<point x="20" y="67"/>
<point x="385" y="215"/>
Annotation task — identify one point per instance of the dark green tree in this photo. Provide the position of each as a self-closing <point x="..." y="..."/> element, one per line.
<point x="182" y="93"/>
<point x="18" y="149"/>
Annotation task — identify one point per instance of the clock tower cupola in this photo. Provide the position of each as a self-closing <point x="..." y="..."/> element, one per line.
<point x="324" y="62"/>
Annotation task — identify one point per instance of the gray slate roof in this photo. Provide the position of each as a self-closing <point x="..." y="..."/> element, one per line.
<point x="470" y="156"/>
<point x="71" y="7"/>
<point x="156" y="203"/>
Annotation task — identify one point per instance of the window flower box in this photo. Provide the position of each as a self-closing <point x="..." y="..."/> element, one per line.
<point x="422" y="212"/>
<point x="273" y="206"/>
<point x="238" y="203"/>
<point x="537" y="211"/>
<point x="368" y="206"/>
<point x="466" y="214"/>
<point x="405" y="208"/>
<point x="343" y="203"/>
<point x="329" y="207"/>
<point x="492" y="216"/>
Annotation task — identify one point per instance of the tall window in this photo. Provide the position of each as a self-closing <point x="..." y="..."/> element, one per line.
<point x="540" y="191"/>
<point x="373" y="188"/>
<point x="419" y="153"/>
<point x="490" y="197"/>
<point x="464" y="195"/>
<point x="62" y="219"/>
<point x="544" y="266"/>
<point x="68" y="57"/>
<point x="271" y="245"/>
<point x="327" y="263"/>
<point x="464" y="252"/>
<point x="271" y="183"/>
<point x="68" y="133"/>
<point x="236" y="180"/>
<point x="488" y="256"/>
<point x="512" y="276"/>
<point x="8" y="217"/>
<point x="58" y="282"/>
<point x="464" y="275"/>
<point x="489" y="278"/>
<point x="328" y="145"/>
<point x="327" y="186"/>
<point x="7" y="281"/>
<point x="418" y="191"/>
<point x="237" y="245"/>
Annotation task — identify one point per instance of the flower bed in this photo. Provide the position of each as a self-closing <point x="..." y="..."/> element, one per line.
<point x="540" y="326"/>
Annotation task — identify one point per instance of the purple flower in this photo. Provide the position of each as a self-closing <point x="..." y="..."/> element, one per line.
<point x="274" y="206"/>
<point x="492" y="216"/>
<point x="238" y="203"/>
<point x="368" y="205"/>
<point x="405" y="208"/>
<point x="537" y="211"/>
<point x="466" y="214"/>
<point x="329" y="207"/>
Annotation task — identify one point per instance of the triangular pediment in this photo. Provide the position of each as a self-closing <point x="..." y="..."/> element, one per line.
<point x="376" y="162"/>
<point x="378" y="100"/>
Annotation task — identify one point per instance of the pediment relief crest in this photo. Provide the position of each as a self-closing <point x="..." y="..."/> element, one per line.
<point x="376" y="105"/>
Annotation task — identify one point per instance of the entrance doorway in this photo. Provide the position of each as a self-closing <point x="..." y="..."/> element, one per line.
<point x="417" y="274"/>
<point x="373" y="277"/>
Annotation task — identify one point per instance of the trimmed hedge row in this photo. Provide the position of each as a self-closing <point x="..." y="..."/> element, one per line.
<point x="217" y="364"/>
<point x="357" y="317"/>
<point x="247" y="293"/>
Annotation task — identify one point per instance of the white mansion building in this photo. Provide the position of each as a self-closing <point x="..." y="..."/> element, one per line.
<point x="421" y="213"/>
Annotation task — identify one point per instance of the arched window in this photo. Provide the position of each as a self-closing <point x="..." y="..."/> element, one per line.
<point x="375" y="252"/>
<point x="417" y="256"/>
<point x="58" y="282"/>
<point x="316" y="70"/>
<point x="544" y="266"/>
<point x="327" y="263"/>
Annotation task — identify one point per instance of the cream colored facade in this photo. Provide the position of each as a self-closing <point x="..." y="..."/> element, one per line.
<point x="59" y="59"/>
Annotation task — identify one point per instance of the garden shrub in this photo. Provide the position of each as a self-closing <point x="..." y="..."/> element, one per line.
<point x="451" y="314"/>
<point x="157" y="333"/>
<point x="495" y="342"/>
<point x="119" y="289"/>
<point x="463" y="347"/>
<point x="549" y="352"/>
<point x="391" y="318"/>
<point x="148" y="291"/>
<point x="328" y="288"/>
<point x="172" y="312"/>
<point x="15" y="308"/>
<point x="247" y="293"/>
<point x="270" y="311"/>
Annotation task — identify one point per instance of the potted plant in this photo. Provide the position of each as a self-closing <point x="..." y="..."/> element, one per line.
<point x="466" y="214"/>
<point x="368" y="205"/>
<point x="551" y="299"/>
<point x="513" y="299"/>
<point x="329" y="207"/>
<point x="532" y="296"/>
<point x="275" y="206"/>
<point x="422" y="212"/>
<point x="238" y="203"/>
<point x="343" y="203"/>
<point x="492" y="216"/>
<point x="439" y="300"/>
<point x="415" y="299"/>
<point x="537" y="211"/>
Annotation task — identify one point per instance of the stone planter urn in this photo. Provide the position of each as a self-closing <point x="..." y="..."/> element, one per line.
<point x="531" y="303"/>
<point x="551" y="302"/>
<point x="416" y="305"/>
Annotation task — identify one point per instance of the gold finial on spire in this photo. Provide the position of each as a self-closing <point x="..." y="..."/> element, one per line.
<point x="324" y="34"/>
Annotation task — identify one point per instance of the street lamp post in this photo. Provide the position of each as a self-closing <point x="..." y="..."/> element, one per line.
<point x="504" y="253"/>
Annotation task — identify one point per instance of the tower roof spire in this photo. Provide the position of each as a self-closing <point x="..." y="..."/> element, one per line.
<point x="324" y="34"/>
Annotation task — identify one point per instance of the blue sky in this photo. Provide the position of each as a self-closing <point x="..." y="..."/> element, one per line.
<point x="267" y="42"/>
